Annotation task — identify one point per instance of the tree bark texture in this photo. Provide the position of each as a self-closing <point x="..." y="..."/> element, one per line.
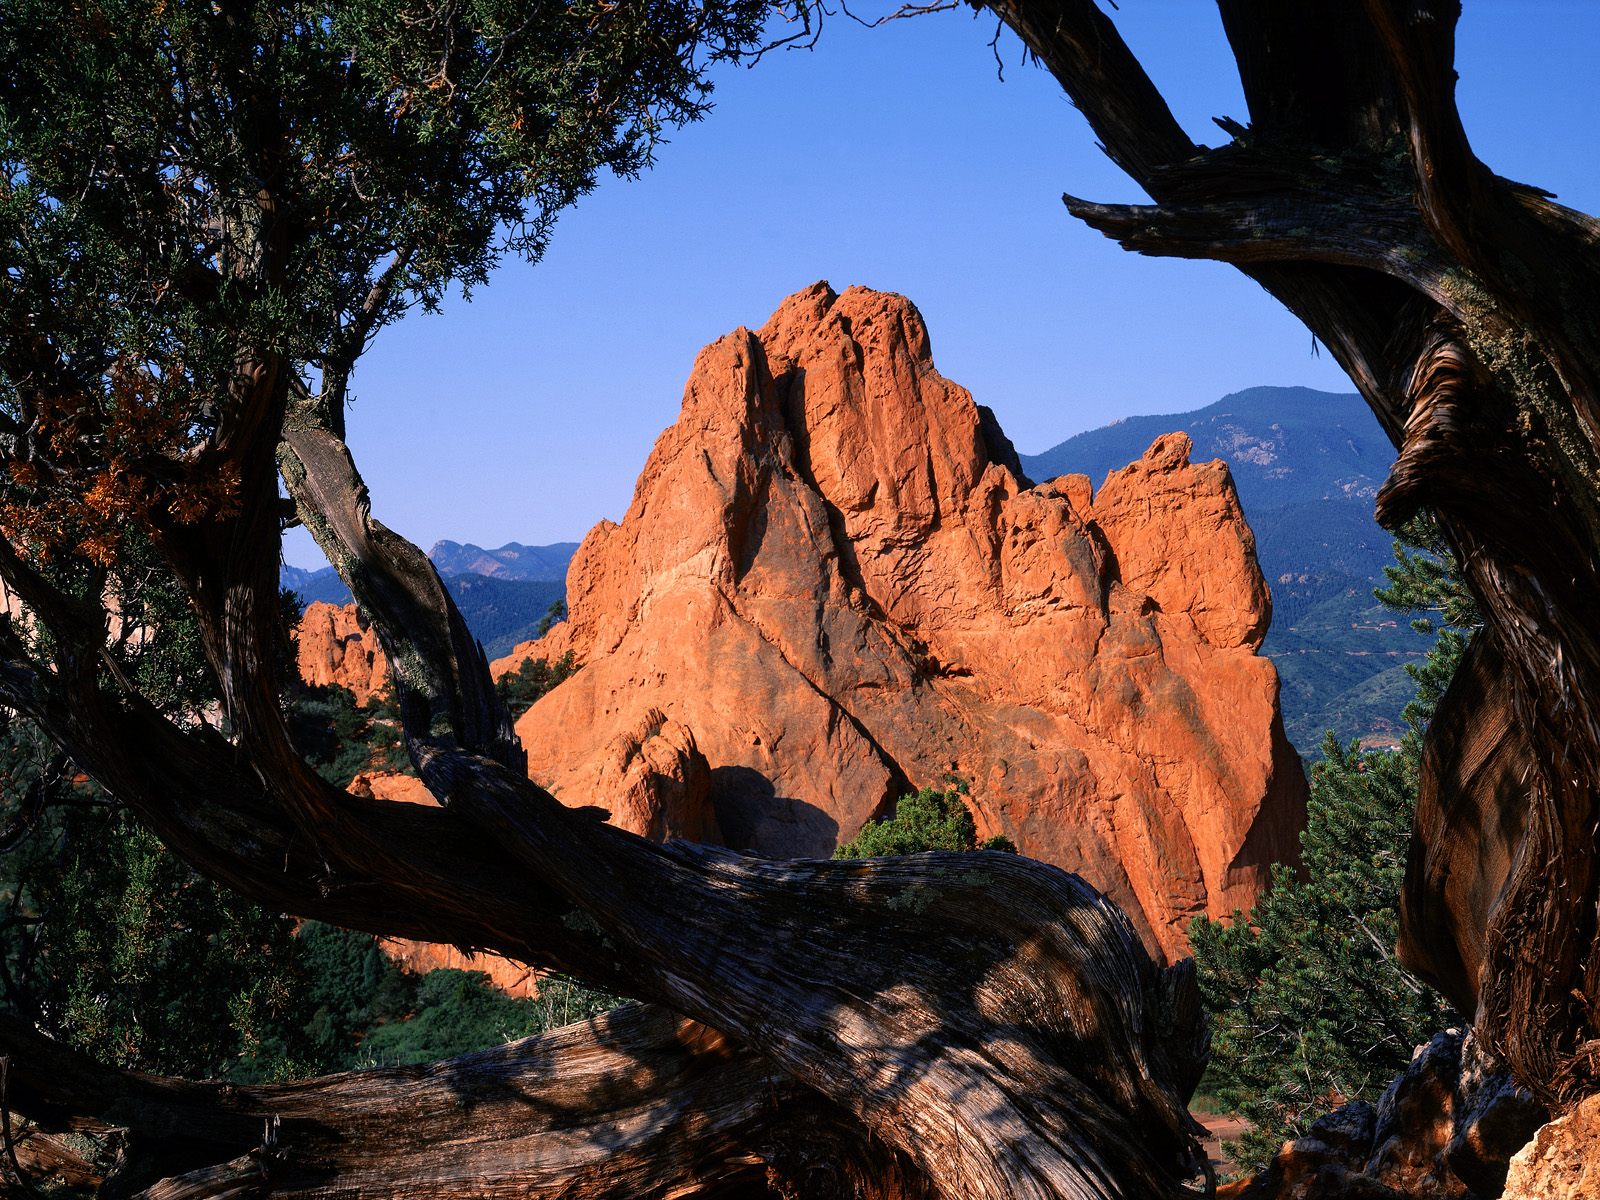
<point x="633" y="1103"/>
<point x="1464" y="306"/>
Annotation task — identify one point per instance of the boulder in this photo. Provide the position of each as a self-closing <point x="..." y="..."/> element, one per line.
<point x="656" y="783"/>
<point x="335" y="648"/>
<point x="1562" y="1162"/>
<point x="1448" y="1126"/>
<point x="1324" y="1165"/>
<point x="392" y="785"/>
<point x="835" y="574"/>
<point x="1445" y="1129"/>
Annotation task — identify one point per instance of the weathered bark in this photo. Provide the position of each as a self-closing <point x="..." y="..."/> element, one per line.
<point x="1470" y="823"/>
<point x="634" y="1103"/>
<point x="1461" y="304"/>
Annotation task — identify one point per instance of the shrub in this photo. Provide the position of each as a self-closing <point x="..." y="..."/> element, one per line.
<point x="932" y="819"/>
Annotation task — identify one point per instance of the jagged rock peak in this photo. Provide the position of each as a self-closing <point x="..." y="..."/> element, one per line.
<point x="834" y="573"/>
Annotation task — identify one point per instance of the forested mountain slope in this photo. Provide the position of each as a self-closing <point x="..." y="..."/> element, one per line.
<point x="503" y="593"/>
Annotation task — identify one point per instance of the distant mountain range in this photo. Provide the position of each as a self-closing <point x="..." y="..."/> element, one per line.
<point x="511" y="561"/>
<point x="503" y="594"/>
<point x="1308" y="465"/>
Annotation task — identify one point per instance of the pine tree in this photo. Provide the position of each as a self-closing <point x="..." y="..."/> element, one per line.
<point x="1309" y="1006"/>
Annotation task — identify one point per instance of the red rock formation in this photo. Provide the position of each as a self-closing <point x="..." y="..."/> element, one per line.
<point x="834" y="573"/>
<point x="653" y="776"/>
<point x="512" y="978"/>
<point x="392" y="785"/>
<point x="336" y="649"/>
<point x="1562" y="1162"/>
<point x="656" y="783"/>
<point x="653" y="779"/>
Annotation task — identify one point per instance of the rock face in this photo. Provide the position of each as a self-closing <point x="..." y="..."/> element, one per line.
<point x="657" y="783"/>
<point x="1562" y="1162"/>
<point x="393" y="786"/>
<point x="835" y="574"/>
<point x="512" y="978"/>
<point x="335" y="649"/>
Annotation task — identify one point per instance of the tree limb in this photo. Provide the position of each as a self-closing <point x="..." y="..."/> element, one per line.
<point x="632" y="1103"/>
<point x="1419" y="37"/>
<point x="1081" y="47"/>
<point x="447" y="699"/>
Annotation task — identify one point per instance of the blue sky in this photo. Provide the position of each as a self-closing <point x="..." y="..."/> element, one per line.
<point x="892" y="158"/>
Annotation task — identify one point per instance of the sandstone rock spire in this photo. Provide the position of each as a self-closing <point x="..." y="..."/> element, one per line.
<point x="834" y="576"/>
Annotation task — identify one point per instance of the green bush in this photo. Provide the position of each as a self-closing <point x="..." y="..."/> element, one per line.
<point x="1309" y="1007"/>
<point x="366" y="1011"/>
<point x="114" y="946"/>
<point x="932" y="819"/>
<point x="459" y="1011"/>
<point x="340" y="738"/>
<point x="520" y="689"/>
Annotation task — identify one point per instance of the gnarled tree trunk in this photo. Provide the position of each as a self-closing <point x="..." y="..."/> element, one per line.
<point x="1466" y="309"/>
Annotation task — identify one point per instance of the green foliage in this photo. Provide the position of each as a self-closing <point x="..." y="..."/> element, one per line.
<point x="352" y="986"/>
<point x="340" y="738"/>
<point x="536" y="676"/>
<point x="136" y="140"/>
<point x="368" y="1012"/>
<point x="556" y="612"/>
<point x="1309" y="1007"/>
<point x="1425" y="578"/>
<point x="187" y="187"/>
<point x="111" y="944"/>
<point x="160" y="651"/>
<point x="458" y="1011"/>
<point x="932" y="819"/>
